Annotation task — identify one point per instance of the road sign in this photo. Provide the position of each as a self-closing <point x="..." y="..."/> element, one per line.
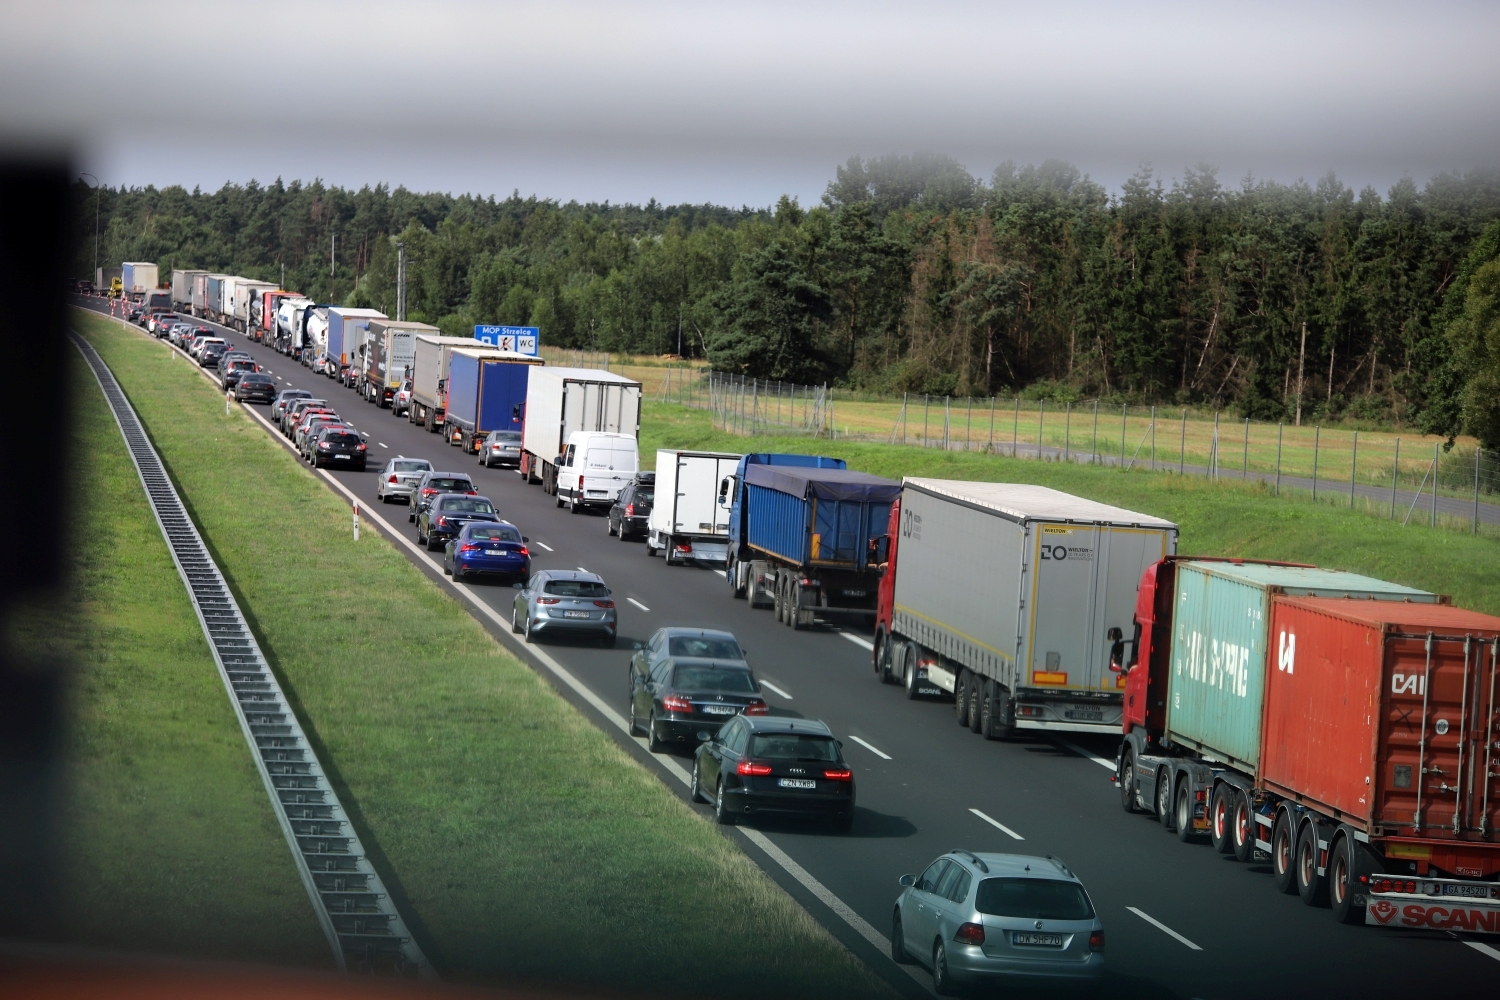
<point x="521" y="339"/>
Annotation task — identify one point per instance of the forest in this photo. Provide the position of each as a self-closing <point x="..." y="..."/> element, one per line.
<point x="913" y="275"/>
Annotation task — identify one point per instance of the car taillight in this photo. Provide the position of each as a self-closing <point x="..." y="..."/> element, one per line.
<point x="441" y="519"/>
<point x="524" y="551"/>
<point x="547" y="600"/>
<point x="471" y="493"/>
<point x="677" y="703"/>
<point x="362" y="447"/>
<point x="468" y="548"/>
<point x="428" y="491"/>
<point x="756" y="707"/>
<point x="391" y="480"/>
<point x="630" y="510"/>
<point x="752" y="767"/>
<point x="604" y="604"/>
<point x="1096" y="941"/>
<point x="838" y="774"/>
<point x="683" y="547"/>
<point x="969" y="933"/>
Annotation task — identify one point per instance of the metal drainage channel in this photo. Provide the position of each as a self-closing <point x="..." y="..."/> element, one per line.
<point x="362" y="925"/>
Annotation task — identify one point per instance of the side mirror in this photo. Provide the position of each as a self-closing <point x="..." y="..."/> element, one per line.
<point x="908" y="880"/>
<point x="519" y="586"/>
<point x="525" y="539"/>
<point x="637" y="645"/>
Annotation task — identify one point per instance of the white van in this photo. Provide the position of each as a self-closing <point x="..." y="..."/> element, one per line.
<point x="594" y="468"/>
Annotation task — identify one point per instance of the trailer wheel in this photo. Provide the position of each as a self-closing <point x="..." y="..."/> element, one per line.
<point x="1343" y="881"/>
<point x="1312" y="887"/>
<point x="1283" y="855"/>
<point x="778" y="599"/>
<point x="1183" y="820"/>
<point x="731" y="575"/>
<point x="909" y="660"/>
<point x="1164" y="795"/>
<point x="1221" y="817"/>
<point x="794" y="613"/>
<point x="961" y="698"/>
<point x="1127" y="782"/>
<point x="1242" y="828"/>
<point x="886" y="676"/>
<point x="979" y="689"/>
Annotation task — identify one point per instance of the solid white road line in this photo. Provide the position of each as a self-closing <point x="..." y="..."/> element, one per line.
<point x="1101" y="761"/>
<point x="877" y="752"/>
<point x="1482" y="948"/>
<point x="767" y="684"/>
<point x="638" y="604"/>
<point x="997" y="824"/>
<point x="1161" y="927"/>
<point x="542" y="544"/>
<point x="864" y="643"/>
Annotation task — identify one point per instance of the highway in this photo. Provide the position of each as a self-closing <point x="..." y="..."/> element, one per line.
<point x="1180" y="920"/>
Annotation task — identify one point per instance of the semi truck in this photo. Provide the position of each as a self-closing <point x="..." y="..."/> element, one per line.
<point x="105" y="279"/>
<point x="138" y="277"/>
<point x="486" y="391"/>
<point x="219" y="298"/>
<point x="247" y="295"/>
<point x="388" y="360"/>
<point x="1330" y="721"/>
<point x="182" y="289"/>
<point x="687" y="523"/>
<point x="1029" y="649"/>
<point x="200" y="289"/>
<point x="429" y="377"/>
<point x="291" y="319"/>
<point x="562" y="401"/>
<point x="346" y="334"/>
<point x="263" y="313"/>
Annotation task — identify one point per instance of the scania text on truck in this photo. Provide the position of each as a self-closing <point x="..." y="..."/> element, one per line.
<point x="563" y="401"/>
<point x="687" y="523"/>
<point x="1028" y="649"/>
<point x="486" y="391"/>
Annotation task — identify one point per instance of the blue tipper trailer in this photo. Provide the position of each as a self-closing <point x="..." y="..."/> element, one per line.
<point x="486" y="392"/>
<point x="810" y="534"/>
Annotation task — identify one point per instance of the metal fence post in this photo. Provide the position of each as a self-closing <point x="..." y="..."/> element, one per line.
<point x="991" y="447"/>
<point x="903" y="418"/>
<point x="1245" y="460"/>
<point x="1280" y="426"/>
<point x="947" y="435"/>
<point x="1124" y="408"/>
<point x="1153" y="438"/>
<point x="1477" y="450"/>
<point x="1395" y="471"/>
<point x="1213" y="462"/>
<point x="1316" y="429"/>
<point x="1015" y="428"/>
<point x="926" y="405"/>
<point x="968" y="423"/>
<point x="1068" y="439"/>
<point x="1041" y="415"/>
<point x="1094" y="444"/>
<point x="1353" y="469"/>
<point x="1182" y="446"/>
<point x="1433" y="522"/>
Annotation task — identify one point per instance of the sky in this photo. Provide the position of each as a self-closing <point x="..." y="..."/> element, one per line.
<point x="740" y="103"/>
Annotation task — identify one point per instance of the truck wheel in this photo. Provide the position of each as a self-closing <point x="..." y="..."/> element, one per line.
<point x="961" y="697"/>
<point x="978" y="689"/>
<point x="1127" y="782"/>
<point x="778" y="599"/>
<point x="1242" y="828"/>
<point x="1164" y="795"/>
<point x="1312" y="887"/>
<point x="1343" y="881"/>
<point x="1221" y="817"/>
<point x="909" y="661"/>
<point x="795" y="613"/>
<point x="1183" y="820"/>
<point x="1283" y="855"/>
<point x="994" y="712"/>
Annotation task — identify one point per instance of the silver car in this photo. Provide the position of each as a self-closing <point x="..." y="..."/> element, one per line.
<point x="564" y="601"/>
<point x="500" y="448"/>
<point x="987" y="917"/>
<point x="399" y="478"/>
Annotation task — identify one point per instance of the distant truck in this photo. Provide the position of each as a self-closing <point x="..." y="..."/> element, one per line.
<point x="138" y="277"/>
<point x="738" y="559"/>
<point x="182" y="289"/>
<point x="388" y="358"/>
<point x="263" y="313"/>
<point x="687" y="522"/>
<point x="563" y="401"/>
<point x="806" y="537"/>
<point x="346" y="334"/>
<point x="429" y="377"/>
<point x="105" y="279"/>
<point x="247" y="293"/>
<point x="291" y="324"/>
<point x="486" y="391"/>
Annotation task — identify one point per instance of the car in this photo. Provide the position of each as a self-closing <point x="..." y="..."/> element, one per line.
<point x="987" y="918"/>
<point x="293" y="412"/>
<point x="284" y="399"/>
<point x="307" y="431"/>
<point x="564" y="601"/>
<point x="337" y="445"/>
<point x="191" y="344"/>
<point x="628" y="516"/>
<point x="433" y="483"/>
<point x="175" y="331"/>
<point x="500" y="448"/>
<point x="232" y="371"/>
<point x="446" y="515"/>
<point x="210" y="353"/>
<point x="299" y="420"/>
<point x="759" y="765"/>
<point x="401" y="401"/>
<point x="255" y="387"/>
<point x="399" y="478"/>
<point x="159" y="320"/>
<point x="487" y="548"/>
<point x="687" y="682"/>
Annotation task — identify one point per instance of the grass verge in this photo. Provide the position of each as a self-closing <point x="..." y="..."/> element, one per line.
<point x="523" y="843"/>
<point x="168" y="841"/>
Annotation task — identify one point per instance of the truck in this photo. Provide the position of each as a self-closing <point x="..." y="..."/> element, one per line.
<point x="429" y="377"/>
<point x="388" y="359"/>
<point x="561" y="401"/>
<point x="199" y="300"/>
<point x="247" y="293"/>
<point x="182" y="289"/>
<point x="138" y="277"/>
<point x="737" y="559"/>
<point x="486" y="391"/>
<point x="1267" y="710"/>
<point x="110" y="279"/>
<point x="291" y="324"/>
<point x="219" y="300"/>
<point x="1028" y="649"/>
<point x="262" y="326"/>
<point x="687" y="523"/>
<point x="346" y="333"/>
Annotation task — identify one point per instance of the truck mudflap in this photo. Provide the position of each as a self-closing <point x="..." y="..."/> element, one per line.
<point x="1432" y="903"/>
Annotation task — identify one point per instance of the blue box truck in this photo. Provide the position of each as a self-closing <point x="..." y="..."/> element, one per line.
<point x="486" y="392"/>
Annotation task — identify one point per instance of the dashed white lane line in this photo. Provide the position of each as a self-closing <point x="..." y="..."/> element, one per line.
<point x="542" y="544"/>
<point x="997" y="824"/>
<point x="767" y="684"/>
<point x="582" y="570"/>
<point x="1101" y="761"/>
<point x="873" y="749"/>
<point x="1161" y="927"/>
<point x="383" y="444"/>
<point x="638" y="604"/>
<point x="1482" y="948"/>
<point x="863" y="643"/>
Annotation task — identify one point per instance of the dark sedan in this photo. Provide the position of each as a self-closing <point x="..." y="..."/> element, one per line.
<point x="774" y="765"/>
<point x="488" y="549"/>
<point x="434" y="484"/>
<point x="632" y="509"/>
<point x="210" y="355"/>
<point x="447" y="514"/>
<point x="686" y="683"/>
<point x="338" y="445"/>
<point x="255" y="387"/>
<point x="237" y="369"/>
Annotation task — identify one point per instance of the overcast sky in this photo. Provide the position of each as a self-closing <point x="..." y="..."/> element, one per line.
<point x="739" y="103"/>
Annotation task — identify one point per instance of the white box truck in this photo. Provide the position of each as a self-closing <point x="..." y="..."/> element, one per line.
<point x="246" y="290"/>
<point x="1008" y="596"/>
<point x="429" y="377"/>
<point x="687" y="522"/>
<point x="182" y="289"/>
<point x="138" y="276"/>
<point x="562" y="401"/>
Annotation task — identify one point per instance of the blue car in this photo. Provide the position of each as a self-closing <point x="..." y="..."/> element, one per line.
<point x="494" y="548"/>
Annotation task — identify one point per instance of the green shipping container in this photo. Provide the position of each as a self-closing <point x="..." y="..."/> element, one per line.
<point x="1221" y="650"/>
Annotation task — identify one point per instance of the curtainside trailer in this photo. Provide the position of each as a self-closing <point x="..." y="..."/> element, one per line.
<point x="563" y="401"/>
<point x="138" y="277"/>
<point x="486" y="392"/>
<point x="429" y="377"/>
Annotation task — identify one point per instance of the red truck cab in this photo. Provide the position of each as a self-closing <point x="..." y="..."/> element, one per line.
<point x="1149" y="653"/>
<point x="885" y="595"/>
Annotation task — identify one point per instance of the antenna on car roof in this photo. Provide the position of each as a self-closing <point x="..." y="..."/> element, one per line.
<point x="972" y="857"/>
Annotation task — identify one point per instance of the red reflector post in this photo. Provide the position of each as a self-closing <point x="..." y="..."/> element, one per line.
<point x="752" y="767"/>
<point x="969" y="934"/>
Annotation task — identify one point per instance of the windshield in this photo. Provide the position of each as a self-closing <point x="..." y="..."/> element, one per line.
<point x="410" y="465"/>
<point x="1039" y="898"/>
<point x="474" y="505"/>
<point x="704" y="647"/>
<point x="690" y="678"/>
<point x="794" y="746"/>
<point x="576" y="588"/>
<point x="455" y="485"/>
<point x="500" y="533"/>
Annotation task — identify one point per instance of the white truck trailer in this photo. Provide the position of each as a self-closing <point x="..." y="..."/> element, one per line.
<point x="182" y="290"/>
<point x="687" y="522"/>
<point x="1008" y="595"/>
<point x="560" y="401"/>
<point x="138" y="277"/>
<point x="429" y="377"/>
<point x="246" y="291"/>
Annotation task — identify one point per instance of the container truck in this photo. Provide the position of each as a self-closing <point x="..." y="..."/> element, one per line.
<point x="561" y="401"/>
<point x="247" y="294"/>
<point x="263" y="313"/>
<point x="388" y="361"/>
<point x="486" y="392"/>
<point x="138" y="277"/>
<point x="291" y="319"/>
<point x="182" y="289"/>
<point x="346" y="334"/>
<point x="1027" y="649"/>
<point x="687" y="522"/>
<point x="429" y="377"/>
<point x="104" y="278"/>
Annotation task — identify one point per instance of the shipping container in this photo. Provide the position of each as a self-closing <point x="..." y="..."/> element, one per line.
<point x="486" y="392"/>
<point x="138" y="276"/>
<point x="182" y="288"/>
<point x="346" y="334"/>
<point x="687" y="522"/>
<point x="560" y="401"/>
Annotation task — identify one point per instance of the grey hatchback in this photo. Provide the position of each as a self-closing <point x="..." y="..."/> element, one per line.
<point x="976" y="917"/>
<point x="564" y="601"/>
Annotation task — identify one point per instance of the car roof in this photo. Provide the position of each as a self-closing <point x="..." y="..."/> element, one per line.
<point x="571" y="574"/>
<point x="434" y="473"/>
<point x="408" y="458"/>
<point x="782" y="724"/>
<point x="499" y="522"/>
<point x="1015" y="865"/>
<point x="706" y="633"/>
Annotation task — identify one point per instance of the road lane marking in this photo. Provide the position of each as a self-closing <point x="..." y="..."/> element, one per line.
<point x="543" y="545"/>
<point x="877" y="752"/>
<point x="864" y="643"/>
<point x="1102" y="762"/>
<point x="1161" y="927"/>
<point x="1483" y="949"/>
<point x="582" y="570"/>
<point x="767" y="684"/>
<point x="383" y="444"/>
<point x="997" y="824"/>
<point x="638" y="604"/>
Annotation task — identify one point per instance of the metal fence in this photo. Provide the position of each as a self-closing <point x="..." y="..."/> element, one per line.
<point x="751" y="406"/>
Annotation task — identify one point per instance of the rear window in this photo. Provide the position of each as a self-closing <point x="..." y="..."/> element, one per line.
<point x="341" y="437"/>
<point x="1039" y="898"/>
<point x="645" y="495"/>
<point x="686" y="678"/>
<point x="496" y="534"/>
<point x="255" y="378"/>
<point x="794" y="746"/>
<point x="507" y="437"/>
<point x="576" y="588"/>
<point x="457" y="485"/>
<point x="703" y="647"/>
<point x="469" y="505"/>
<point x="410" y="465"/>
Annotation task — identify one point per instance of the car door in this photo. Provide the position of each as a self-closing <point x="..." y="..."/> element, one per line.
<point x="951" y="891"/>
<point x="919" y="918"/>
<point x="711" y="764"/>
<point x="522" y="608"/>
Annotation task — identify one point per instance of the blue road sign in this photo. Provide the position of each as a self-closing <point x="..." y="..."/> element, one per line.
<point x="521" y="339"/>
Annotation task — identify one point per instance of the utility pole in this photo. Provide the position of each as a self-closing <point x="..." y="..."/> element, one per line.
<point x="1301" y="361"/>
<point x="283" y="276"/>
<point x="400" y="281"/>
<point x="96" y="218"/>
<point x="333" y="243"/>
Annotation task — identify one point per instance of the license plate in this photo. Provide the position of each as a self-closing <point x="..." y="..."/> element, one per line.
<point x="345" y="457"/>
<point x="575" y="614"/>
<point x="1085" y="714"/>
<point x="720" y="710"/>
<point x="1470" y="891"/>
<point x="500" y="552"/>
<point x="796" y="783"/>
<point x="1035" y="939"/>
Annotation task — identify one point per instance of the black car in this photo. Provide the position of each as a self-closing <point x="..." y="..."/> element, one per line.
<point x="210" y="356"/>
<point x="434" y="483"/>
<point x="338" y="445"/>
<point x="255" y="387"/>
<point x="446" y="515"/>
<point x="774" y="765"/>
<point x="628" y="516"/>
<point x="687" y="682"/>
<point x="284" y="399"/>
<point x="232" y="370"/>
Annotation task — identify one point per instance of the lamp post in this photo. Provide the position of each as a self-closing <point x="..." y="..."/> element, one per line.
<point x="96" y="217"/>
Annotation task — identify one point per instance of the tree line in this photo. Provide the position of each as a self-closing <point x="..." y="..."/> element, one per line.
<point x="913" y="275"/>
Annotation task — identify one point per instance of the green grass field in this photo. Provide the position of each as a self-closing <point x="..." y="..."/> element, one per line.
<point x="1224" y="517"/>
<point x="168" y="844"/>
<point x="523" y="843"/>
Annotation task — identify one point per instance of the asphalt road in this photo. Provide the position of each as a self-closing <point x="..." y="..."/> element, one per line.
<point x="1180" y="920"/>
